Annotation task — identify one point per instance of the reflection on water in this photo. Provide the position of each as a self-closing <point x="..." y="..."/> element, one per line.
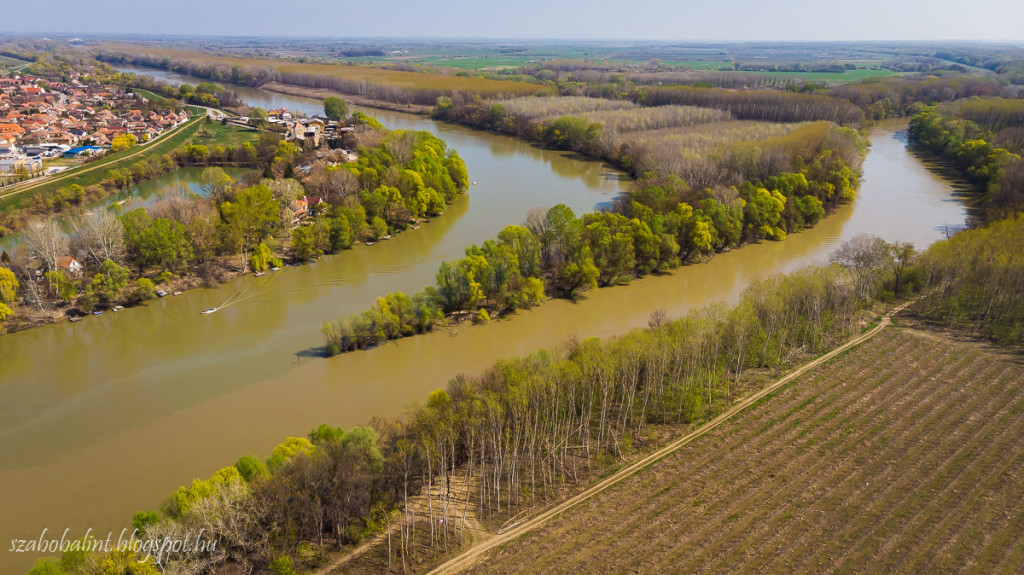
<point x="160" y="394"/>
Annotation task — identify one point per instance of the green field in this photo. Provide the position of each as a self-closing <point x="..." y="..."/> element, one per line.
<point x="230" y="135"/>
<point x="12" y="64"/>
<point x="482" y="62"/>
<point x="832" y="77"/>
<point x="155" y="98"/>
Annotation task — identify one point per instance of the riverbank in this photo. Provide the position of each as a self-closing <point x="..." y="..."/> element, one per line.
<point x="185" y="393"/>
<point x="219" y="270"/>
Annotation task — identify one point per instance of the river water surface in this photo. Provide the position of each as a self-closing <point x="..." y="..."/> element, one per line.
<point x="106" y="417"/>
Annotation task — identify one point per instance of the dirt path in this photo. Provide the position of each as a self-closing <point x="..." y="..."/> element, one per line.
<point x="466" y="559"/>
<point x="420" y="506"/>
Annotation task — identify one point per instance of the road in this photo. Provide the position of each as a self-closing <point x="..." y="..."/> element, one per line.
<point x="466" y="559"/>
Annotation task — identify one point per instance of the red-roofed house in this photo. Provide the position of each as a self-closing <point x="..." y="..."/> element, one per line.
<point x="70" y="264"/>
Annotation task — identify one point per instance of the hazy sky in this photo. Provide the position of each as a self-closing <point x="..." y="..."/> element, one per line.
<point x="795" y="20"/>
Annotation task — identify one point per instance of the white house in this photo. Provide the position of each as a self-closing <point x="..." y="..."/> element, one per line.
<point x="70" y="264"/>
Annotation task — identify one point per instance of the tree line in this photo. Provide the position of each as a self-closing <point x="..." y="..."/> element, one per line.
<point x="882" y="98"/>
<point x="998" y="172"/>
<point x="254" y="76"/>
<point x="766" y="106"/>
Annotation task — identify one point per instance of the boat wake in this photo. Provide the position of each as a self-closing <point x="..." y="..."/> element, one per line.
<point x="241" y="296"/>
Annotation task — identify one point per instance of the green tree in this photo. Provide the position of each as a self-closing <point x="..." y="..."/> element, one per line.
<point x="580" y="273"/>
<point x="326" y="434"/>
<point x="122" y="142"/>
<point x="62" y="285"/>
<point x="251" y="468"/>
<point x="144" y="290"/>
<point x="258" y="118"/>
<point x="291" y="447"/>
<point x="217" y="184"/>
<point x="163" y="243"/>
<point x="526" y="248"/>
<point x="335" y="108"/>
<point x="144" y="519"/>
<point x="8" y="286"/>
<point x="250" y="218"/>
<point x="108" y="283"/>
<point x="379" y="227"/>
<point x="310" y="242"/>
<point x="261" y="258"/>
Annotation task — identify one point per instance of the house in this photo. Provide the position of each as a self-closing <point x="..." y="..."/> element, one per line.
<point x="314" y="205"/>
<point x="300" y="209"/>
<point x="11" y="130"/>
<point x="279" y="114"/>
<point x="15" y="165"/>
<point x="70" y="264"/>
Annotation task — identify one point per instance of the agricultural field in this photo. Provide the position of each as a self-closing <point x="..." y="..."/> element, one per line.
<point x="374" y="75"/>
<point x="826" y="77"/>
<point x="899" y="456"/>
<point x="412" y="80"/>
<point x="479" y="62"/>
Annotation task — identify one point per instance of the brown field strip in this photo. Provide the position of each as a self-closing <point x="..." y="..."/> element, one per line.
<point x="399" y="78"/>
<point x="903" y="456"/>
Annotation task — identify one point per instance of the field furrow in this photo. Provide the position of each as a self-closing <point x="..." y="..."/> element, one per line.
<point x="902" y="455"/>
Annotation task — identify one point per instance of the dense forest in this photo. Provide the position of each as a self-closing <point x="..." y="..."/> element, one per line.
<point x="975" y="282"/>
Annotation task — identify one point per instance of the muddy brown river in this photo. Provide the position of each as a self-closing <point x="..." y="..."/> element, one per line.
<point x="105" y="417"/>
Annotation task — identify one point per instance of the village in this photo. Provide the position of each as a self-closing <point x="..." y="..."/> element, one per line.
<point x="40" y="120"/>
<point x="308" y="132"/>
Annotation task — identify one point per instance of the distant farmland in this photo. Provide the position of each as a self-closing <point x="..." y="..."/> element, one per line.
<point x="901" y="456"/>
<point x="400" y="79"/>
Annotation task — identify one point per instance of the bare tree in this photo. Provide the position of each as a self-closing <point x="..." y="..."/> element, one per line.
<point x="177" y="206"/>
<point x="658" y="318"/>
<point x="865" y="257"/>
<point x="100" y="234"/>
<point x="46" y="241"/>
